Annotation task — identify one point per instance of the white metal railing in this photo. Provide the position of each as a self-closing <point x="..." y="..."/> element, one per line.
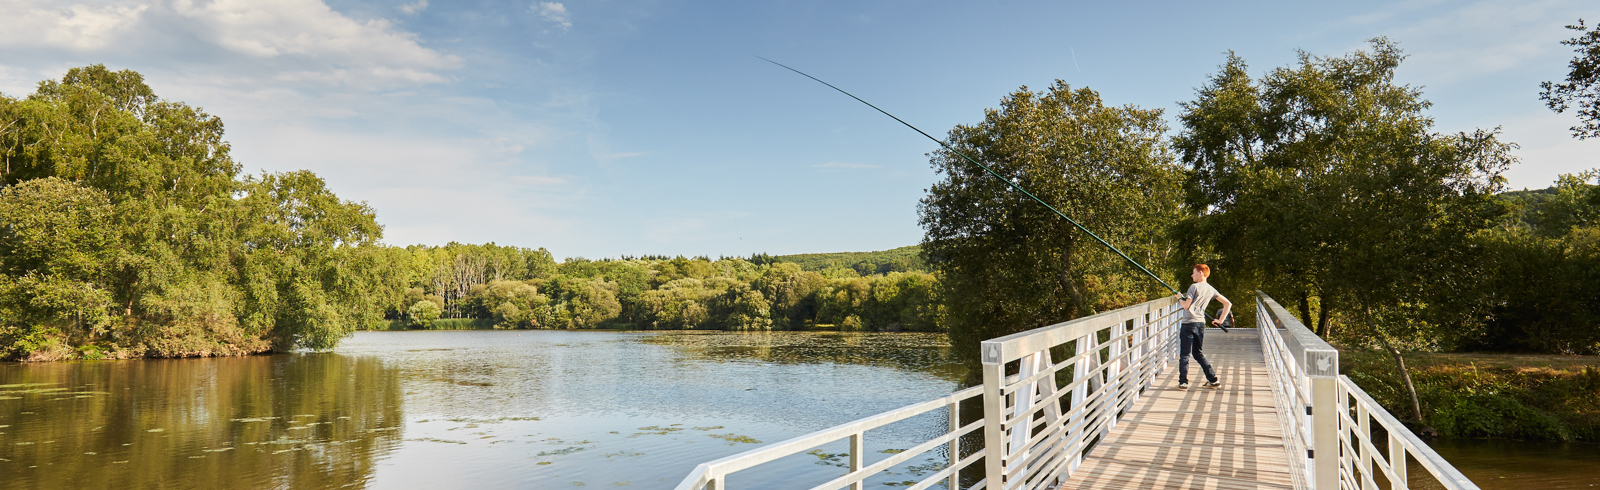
<point x="1335" y="434"/>
<point x="712" y="475"/>
<point x="1050" y="414"/>
<point x="1038" y="422"/>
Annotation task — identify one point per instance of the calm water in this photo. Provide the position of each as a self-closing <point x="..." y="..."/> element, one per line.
<point x="461" y="409"/>
<point x="531" y="409"/>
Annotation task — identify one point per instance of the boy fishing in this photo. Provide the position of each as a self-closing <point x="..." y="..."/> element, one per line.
<point x="1192" y="326"/>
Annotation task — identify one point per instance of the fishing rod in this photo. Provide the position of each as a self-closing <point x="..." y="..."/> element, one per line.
<point x="1013" y="184"/>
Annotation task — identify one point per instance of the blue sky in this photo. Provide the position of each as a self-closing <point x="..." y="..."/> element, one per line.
<point x="604" y="128"/>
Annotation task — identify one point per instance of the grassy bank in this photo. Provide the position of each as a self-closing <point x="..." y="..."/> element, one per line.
<point x="1533" y="397"/>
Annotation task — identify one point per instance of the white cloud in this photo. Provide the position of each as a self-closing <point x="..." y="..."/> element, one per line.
<point x="76" y="28"/>
<point x="285" y="40"/>
<point x="340" y="49"/>
<point x="554" y="12"/>
<point x="426" y="188"/>
<point x="1480" y="38"/>
<point x="413" y="8"/>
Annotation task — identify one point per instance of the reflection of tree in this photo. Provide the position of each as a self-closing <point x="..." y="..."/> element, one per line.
<point x="927" y="353"/>
<point x="292" y="421"/>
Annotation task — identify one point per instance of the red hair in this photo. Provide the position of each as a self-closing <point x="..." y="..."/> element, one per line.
<point x="1205" y="270"/>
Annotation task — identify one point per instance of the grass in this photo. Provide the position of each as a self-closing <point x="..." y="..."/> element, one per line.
<point x="1515" y="396"/>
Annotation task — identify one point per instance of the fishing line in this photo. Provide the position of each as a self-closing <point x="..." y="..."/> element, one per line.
<point x="1013" y="184"/>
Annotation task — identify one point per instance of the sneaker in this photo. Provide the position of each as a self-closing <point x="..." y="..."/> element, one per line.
<point x="1183" y="386"/>
<point x="1213" y="384"/>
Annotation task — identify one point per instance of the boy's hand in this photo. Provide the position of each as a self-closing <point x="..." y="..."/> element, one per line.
<point x="1217" y="322"/>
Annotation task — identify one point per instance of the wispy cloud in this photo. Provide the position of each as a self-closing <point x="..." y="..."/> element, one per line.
<point x="78" y="28"/>
<point x="413" y="8"/>
<point x="1470" y="40"/>
<point x="554" y="12"/>
<point x="284" y="40"/>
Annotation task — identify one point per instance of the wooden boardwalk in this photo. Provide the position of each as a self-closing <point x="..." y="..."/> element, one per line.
<point x="1200" y="438"/>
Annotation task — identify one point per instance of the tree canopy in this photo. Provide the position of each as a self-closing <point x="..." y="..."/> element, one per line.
<point x="1581" y="90"/>
<point x="129" y="231"/>
<point x="1324" y="180"/>
<point x="1008" y="264"/>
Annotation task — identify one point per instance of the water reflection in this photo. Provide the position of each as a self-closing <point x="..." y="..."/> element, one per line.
<point x="919" y="352"/>
<point x="490" y="409"/>
<point x="1495" y="464"/>
<point x="564" y="409"/>
<point x="303" y="421"/>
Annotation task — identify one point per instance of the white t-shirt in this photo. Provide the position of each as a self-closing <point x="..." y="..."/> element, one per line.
<point x="1200" y="296"/>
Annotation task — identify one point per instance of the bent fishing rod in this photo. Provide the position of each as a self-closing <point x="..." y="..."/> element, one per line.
<point x="1010" y="182"/>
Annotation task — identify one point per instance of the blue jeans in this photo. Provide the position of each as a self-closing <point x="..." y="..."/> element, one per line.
<point x="1190" y="338"/>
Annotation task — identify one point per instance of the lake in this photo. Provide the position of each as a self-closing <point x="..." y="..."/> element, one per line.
<point x="524" y="409"/>
<point x="454" y="409"/>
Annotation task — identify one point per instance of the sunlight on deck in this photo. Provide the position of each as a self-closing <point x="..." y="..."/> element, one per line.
<point x="1200" y="438"/>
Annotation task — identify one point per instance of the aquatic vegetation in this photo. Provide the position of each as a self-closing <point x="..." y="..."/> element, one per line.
<point x="562" y="452"/>
<point x="925" y="468"/>
<point x="657" y="431"/>
<point x="734" y="438"/>
<point x="830" y="459"/>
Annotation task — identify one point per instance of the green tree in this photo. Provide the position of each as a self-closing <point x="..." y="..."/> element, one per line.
<point x="54" y="258"/>
<point x="188" y="257"/>
<point x="423" y="313"/>
<point x="1008" y="264"/>
<point x="1582" y="87"/>
<point x="741" y="308"/>
<point x="1543" y="275"/>
<point x="1325" y="179"/>
<point x="676" y="305"/>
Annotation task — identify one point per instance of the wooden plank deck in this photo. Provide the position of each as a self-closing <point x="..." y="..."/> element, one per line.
<point x="1201" y="438"/>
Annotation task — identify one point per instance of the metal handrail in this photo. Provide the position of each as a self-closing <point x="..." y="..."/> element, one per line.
<point x="1044" y="437"/>
<point x="1339" y="417"/>
<point x="712" y="475"/>
<point x="1038" y="429"/>
<point x="1042" y="420"/>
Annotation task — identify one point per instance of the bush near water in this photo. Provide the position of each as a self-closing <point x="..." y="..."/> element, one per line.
<point x="1538" y="397"/>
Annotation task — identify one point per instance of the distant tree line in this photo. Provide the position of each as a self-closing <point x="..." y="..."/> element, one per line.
<point x="522" y="288"/>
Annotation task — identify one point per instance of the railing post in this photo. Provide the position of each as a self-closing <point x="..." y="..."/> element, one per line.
<point x="994" y="376"/>
<point x="954" y="446"/>
<point x="858" y="452"/>
<point x="1397" y="460"/>
<point x="1325" y="431"/>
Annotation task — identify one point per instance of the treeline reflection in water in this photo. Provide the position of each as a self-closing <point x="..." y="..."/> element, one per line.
<point x="294" y="420"/>
<point x="918" y="352"/>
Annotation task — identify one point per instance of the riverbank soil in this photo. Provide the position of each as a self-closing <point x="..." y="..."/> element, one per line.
<point x="1514" y="396"/>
